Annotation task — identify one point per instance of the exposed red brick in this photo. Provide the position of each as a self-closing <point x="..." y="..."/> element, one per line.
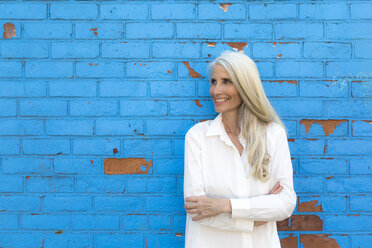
<point x="94" y="31"/>
<point x="211" y="44"/>
<point x="279" y="56"/>
<point x="9" y="30"/>
<point x="91" y="161"/>
<point x="59" y="232"/>
<point x="27" y="177"/>
<point x="329" y="177"/>
<point x="179" y="234"/>
<point x="325" y="149"/>
<point x="237" y="45"/>
<point x="169" y="71"/>
<point x="114" y="166"/>
<point x="328" y="126"/>
<point x="289" y="242"/>
<point x="291" y="140"/>
<point x="282" y="81"/>
<point x="197" y="102"/>
<point x="192" y="72"/>
<point x="301" y="223"/>
<point x="92" y="64"/>
<point x="115" y="150"/>
<point x="310" y="206"/>
<point x="318" y="240"/>
<point x="225" y="6"/>
<point x="274" y="44"/>
<point x="369" y="122"/>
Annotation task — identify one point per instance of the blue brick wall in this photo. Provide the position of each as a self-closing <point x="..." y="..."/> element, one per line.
<point x="96" y="98"/>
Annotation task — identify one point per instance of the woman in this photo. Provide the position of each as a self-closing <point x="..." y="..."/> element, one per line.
<point x="238" y="177"/>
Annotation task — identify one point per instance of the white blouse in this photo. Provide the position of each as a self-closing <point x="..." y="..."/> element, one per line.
<point x="214" y="167"/>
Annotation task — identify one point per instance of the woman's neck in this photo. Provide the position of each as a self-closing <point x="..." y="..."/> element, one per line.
<point x="230" y="122"/>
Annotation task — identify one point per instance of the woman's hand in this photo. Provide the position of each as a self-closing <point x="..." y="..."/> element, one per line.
<point x="205" y="207"/>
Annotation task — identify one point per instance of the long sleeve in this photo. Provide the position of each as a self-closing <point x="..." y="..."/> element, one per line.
<point x="273" y="207"/>
<point x="194" y="186"/>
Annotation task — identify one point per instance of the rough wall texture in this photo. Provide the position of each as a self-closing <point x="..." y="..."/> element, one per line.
<point x="96" y="97"/>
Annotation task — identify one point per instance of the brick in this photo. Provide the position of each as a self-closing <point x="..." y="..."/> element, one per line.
<point x="171" y="11"/>
<point x="99" y="31"/>
<point x="203" y="88"/>
<point x="76" y="49"/>
<point x="324" y="88"/>
<point x="43" y="108"/>
<point x="81" y="166"/>
<point x="325" y="166"/>
<point x="152" y="70"/>
<point x="288" y="241"/>
<point x="50" y="184"/>
<point x="362" y="49"/>
<point x="9" y="69"/>
<point x="46" y="146"/>
<point x="72" y="11"/>
<point x="280" y="88"/>
<point x="167" y="203"/>
<point x="327" y="11"/>
<point x="11" y="184"/>
<point x="302" y="223"/>
<point x="172" y="88"/>
<point x="299" y="107"/>
<point x="143" y="147"/>
<point x="52" y="203"/>
<point x="11" y="30"/>
<point x="278" y="50"/>
<point x="266" y="69"/>
<point x="175" y="50"/>
<point x="69" y="127"/>
<point x="114" y="239"/>
<point x="192" y="69"/>
<point x="291" y="127"/>
<point x="20" y="49"/>
<point x="100" y="184"/>
<point x="354" y="222"/>
<point x="125" y="204"/>
<point x="148" y="108"/>
<point x="361" y="88"/>
<point x="299" y="30"/>
<point x="32" y="11"/>
<point x="361" y="128"/>
<point x="214" y="49"/>
<point x="217" y="11"/>
<point x="299" y="69"/>
<point x="30" y="88"/>
<point x="21" y="127"/>
<point x="310" y="204"/>
<point x="45" y="222"/>
<point x="327" y="50"/>
<point x="361" y="203"/>
<point x="348" y="31"/>
<point x="272" y="11"/>
<point x="19" y="203"/>
<point x="166" y="166"/>
<point x="33" y="165"/>
<point x="150" y="30"/>
<point x="44" y="30"/>
<point x="21" y="239"/>
<point x="99" y="69"/>
<point x="109" y="88"/>
<point x="96" y="146"/>
<point x="126" y="50"/>
<point x="361" y="10"/>
<point x="8" y="221"/>
<point x="58" y="239"/>
<point x="48" y="69"/>
<point x="324" y="240"/>
<point x="335" y="204"/>
<point x="360" y="240"/>
<point x="118" y="127"/>
<point x="191" y="107"/>
<point x="248" y="31"/>
<point x="198" y="30"/>
<point x="114" y="166"/>
<point x="135" y="222"/>
<point x="347" y="69"/>
<point x="179" y="147"/>
<point x="349" y="147"/>
<point x="9" y="146"/>
<point x="311" y="127"/>
<point x="347" y="108"/>
<point x="179" y="222"/>
<point x="360" y="166"/>
<point x="152" y="185"/>
<point x="313" y="184"/>
<point x="165" y="240"/>
<point x="354" y="184"/>
<point x="168" y="127"/>
<point x="73" y="88"/>
<point x="93" y="108"/>
<point x="124" y="11"/>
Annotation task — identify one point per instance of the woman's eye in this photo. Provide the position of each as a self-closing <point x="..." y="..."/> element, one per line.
<point x="227" y="81"/>
<point x="213" y="81"/>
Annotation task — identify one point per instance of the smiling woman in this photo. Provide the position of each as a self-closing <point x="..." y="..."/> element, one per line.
<point x="238" y="177"/>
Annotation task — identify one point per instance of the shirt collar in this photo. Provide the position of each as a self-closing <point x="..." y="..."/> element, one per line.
<point x="216" y="128"/>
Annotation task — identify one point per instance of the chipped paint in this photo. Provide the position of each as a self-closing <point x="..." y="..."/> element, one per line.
<point x="301" y="223"/>
<point x="197" y="102"/>
<point x="114" y="166"/>
<point x="279" y="56"/>
<point x="291" y="140"/>
<point x="92" y="64"/>
<point x="91" y="161"/>
<point x="192" y="72"/>
<point x="225" y="6"/>
<point x="115" y="150"/>
<point x="211" y="44"/>
<point x="237" y="46"/>
<point x="369" y="122"/>
<point x="328" y="126"/>
<point x="274" y="44"/>
<point x="282" y="81"/>
<point x="329" y="177"/>
<point x="169" y="71"/>
<point x="27" y="177"/>
<point x="94" y="31"/>
<point x="325" y="149"/>
<point x="318" y="240"/>
<point x="289" y="242"/>
<point x="179" y="234"/>
<point x="310" y="206"/>
<point x="9" y="30"/>
<point x="59" y="232"/>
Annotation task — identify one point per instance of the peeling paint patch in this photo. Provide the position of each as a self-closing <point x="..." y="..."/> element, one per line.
<point x="328" y="126"/>
<point x="325" y="149"/>
<point x="197" y="102"/>
<point x="179" y="234"/>
<point x="211" y="44"/>
<point x="9" y="30"/>
<point x="279" y="56"/>
<point x="291" y="140"/>
<point x="94" y="31"/>
<point x="310" y="206"/>
<point x="237" y="46"/>
<point x="92" y="64"/>
<point x="169" y="71"/>
<point x="301" y="223"/>
<point x="318" y="240"/>
<point x="59" y="232"/>
<point x="289" y="242"/>
<point x="225" y="6"/>
<point x="115" y="150"/>
<point x="114" y="166"/>
<point x="369" y="122"/>
<point x="282" y="81"/>
<point x="192" y="72"/>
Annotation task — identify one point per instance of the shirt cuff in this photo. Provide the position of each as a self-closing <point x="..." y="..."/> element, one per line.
<point x="240" y="208"/>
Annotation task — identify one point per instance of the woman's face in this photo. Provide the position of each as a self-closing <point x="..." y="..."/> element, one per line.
<point x="225" y="96"/>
